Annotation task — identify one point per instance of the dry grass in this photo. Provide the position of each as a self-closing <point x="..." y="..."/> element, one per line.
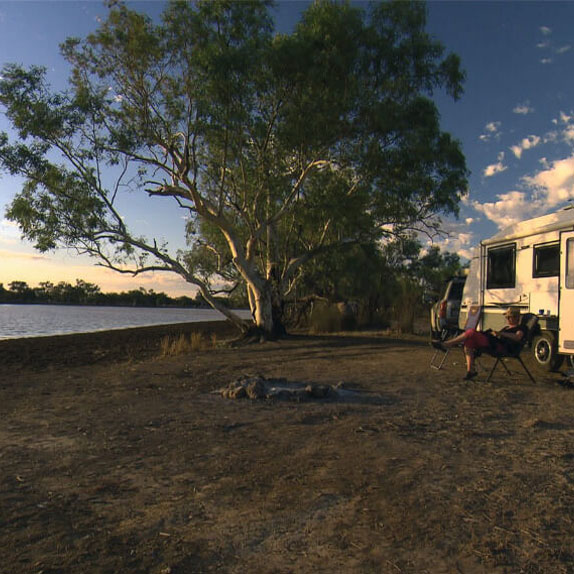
<point x="173" y="346"/>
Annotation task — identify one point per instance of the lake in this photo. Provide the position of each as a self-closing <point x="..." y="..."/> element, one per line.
<point x="18" y="321"/>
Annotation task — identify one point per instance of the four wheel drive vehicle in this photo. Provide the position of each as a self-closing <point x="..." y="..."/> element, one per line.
<point x="529" y="265"/>
<point x="445" y="312"/>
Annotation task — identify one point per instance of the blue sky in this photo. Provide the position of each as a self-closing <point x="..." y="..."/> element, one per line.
<point x="515" y="120"/>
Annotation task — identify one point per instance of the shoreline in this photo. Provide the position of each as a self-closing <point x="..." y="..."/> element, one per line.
<point x="73" y="349"/>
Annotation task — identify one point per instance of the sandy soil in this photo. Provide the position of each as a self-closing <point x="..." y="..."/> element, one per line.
<point x="116" y="461"/>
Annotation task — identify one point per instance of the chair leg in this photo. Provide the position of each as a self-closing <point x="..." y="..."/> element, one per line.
<point x="501" y="361"/>
<point x="438" y="365"/>
<point x="526" y="369"/>
<point x="444" y="335"/>
<point x="493" y="369"/>
<point x="505" y="367"/>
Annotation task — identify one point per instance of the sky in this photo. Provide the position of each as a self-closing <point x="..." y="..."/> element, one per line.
<point x="515" y="121"/>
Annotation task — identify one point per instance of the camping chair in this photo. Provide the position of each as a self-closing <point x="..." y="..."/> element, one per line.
<point x="472" y="320"/>
<point x="530" y="323"/>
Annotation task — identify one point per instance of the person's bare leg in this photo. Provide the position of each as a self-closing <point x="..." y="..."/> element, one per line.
<point x="455" y="340"/>
<point x="469" y="354"/>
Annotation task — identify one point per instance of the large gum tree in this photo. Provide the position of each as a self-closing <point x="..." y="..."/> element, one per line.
<point x="276" y="147"/>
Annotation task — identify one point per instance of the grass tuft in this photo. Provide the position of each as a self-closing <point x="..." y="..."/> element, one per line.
<point x="172" y="346"/>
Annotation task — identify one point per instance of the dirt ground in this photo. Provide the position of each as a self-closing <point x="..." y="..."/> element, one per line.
<point x="115" y="461"/>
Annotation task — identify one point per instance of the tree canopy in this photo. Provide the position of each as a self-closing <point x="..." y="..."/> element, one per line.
<point x="276" y="147"/>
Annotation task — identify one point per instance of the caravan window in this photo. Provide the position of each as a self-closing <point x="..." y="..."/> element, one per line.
<point x="501" y="270"/>
<point x="546" y="260"/>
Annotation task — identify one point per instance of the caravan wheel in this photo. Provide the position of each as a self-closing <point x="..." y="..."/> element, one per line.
<point x="570" y="361"/>
<point x="546" y="351"/>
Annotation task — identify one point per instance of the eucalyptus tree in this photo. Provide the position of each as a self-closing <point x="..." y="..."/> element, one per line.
<point x="275" y="147"/>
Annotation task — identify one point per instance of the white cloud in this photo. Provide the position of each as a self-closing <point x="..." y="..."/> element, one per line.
<point x="568" y="134"/>
<point x="526" y="144"/>
<point x="458" y="239"/>
<point x="551" y="46"/>
<point x="509" y="208"/>
<point x="549" y="189"/>
<point x="492" y="131"/>
<point x="554" y="185"/>
<point x="566" y="123"/>
<point x="495" y="168"/>
<point x="23" y="256"/>
<point x="544" y="163"/>
<point x="551" y="137"/>
<point x="523" y="109"/>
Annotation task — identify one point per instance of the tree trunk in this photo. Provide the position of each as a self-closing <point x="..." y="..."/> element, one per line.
<point x="263" y="312"/>
<point x="266" y="315"/>
<point x="275" y="288"/>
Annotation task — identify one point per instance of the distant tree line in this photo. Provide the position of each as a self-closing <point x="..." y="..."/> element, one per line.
<point x="84" y="293"/>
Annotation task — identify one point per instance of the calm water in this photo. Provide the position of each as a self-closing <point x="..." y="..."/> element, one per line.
<point x="42" y="320"/>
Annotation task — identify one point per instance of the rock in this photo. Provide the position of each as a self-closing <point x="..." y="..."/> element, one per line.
<point x="318" y="391"/>
<point x="234" y="390"/>
<point x="279" y="394"/>
<point x="255" y="389"/>
<point x="238" y="393"/>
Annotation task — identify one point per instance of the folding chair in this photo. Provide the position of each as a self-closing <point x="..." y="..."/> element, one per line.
<point x="529" y="322"/>
<point x="472" y="320"/>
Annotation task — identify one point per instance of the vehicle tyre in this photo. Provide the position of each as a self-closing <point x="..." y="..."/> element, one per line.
<point x="570" y="361"/>
<point x="545" y="351"/>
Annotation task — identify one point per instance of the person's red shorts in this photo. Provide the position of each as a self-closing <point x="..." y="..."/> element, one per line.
<point x="478" y="340"/>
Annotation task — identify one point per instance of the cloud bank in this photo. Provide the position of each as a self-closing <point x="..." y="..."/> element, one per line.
<point x="545" y="191"/>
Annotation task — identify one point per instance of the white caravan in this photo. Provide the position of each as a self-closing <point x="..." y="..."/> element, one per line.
<point x="529" y="265"/>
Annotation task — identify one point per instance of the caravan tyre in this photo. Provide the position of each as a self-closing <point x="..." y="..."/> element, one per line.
<point x="546" y="351"/>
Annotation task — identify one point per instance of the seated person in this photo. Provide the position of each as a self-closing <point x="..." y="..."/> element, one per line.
<point x="507" y="340"/>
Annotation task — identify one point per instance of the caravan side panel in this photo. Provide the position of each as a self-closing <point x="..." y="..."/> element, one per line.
<point x="522" y="272"/>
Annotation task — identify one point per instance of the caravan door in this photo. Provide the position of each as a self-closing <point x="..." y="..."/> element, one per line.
<point x="566" y="303"/>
